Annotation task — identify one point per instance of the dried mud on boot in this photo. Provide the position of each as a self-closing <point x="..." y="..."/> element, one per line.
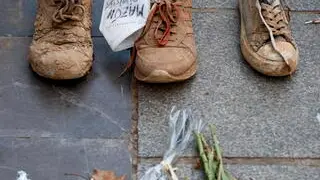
<point x="267" y="43"/>
<point x="62" y="48"/>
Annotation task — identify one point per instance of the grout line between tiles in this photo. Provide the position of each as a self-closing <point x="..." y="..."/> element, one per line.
<point x="133" y="145"/>
<point x="313" y="162"/>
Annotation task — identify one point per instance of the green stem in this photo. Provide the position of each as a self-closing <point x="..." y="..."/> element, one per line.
<point x="203" y="156"/>
<point x="209" y="152"/>
<point x="215" y="164"/>
<point x="221" y="174"/>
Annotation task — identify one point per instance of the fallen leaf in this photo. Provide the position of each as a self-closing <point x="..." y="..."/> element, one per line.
<point x="105" y="175"/>
<point x="198" y="164"/>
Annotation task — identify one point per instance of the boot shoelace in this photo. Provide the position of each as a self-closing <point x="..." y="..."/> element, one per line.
<point x="68" y="10"/>
<point x="168" y="13"/>
<point x="275" y="19"/>
<point x="276" y="23"/>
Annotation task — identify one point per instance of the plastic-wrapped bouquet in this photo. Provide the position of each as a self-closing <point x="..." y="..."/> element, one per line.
<point x="181" y="125"/>
<point x="211" y="156"/>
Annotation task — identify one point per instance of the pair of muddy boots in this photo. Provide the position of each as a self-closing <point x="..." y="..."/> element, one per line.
<point x="166" y="51"/>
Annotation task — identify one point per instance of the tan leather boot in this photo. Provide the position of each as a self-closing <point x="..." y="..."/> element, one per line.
<point x="166" y="51"/>
<point x="266" y="40"/>
<point x="62" y="46"/>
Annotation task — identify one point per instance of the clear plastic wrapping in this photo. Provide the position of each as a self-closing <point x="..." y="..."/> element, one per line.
<point x="181" y="126"/>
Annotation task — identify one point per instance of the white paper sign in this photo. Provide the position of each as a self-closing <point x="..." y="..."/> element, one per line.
<point x="122" y="22"/>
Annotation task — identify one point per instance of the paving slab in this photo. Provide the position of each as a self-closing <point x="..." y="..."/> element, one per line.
<point x="97" y="106"/>
<point x="249" y="172"/>
<point x="296" y="5"/>
<point x="306" y="5"/>
<point x="256" y="116"/>
<point x="17" y="17"/>
<point x="20" y="16"/>
<point x="48" y="128"/>
<point x="50" y="159"/>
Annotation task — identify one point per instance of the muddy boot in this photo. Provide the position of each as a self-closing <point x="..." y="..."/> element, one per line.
<point x="266" y="40"/>
<point x="62" y="46"/>
<point x="166" y="51"/>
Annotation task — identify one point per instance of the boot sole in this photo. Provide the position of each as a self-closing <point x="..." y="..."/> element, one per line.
<point x="76" y="76"/>
<point x="161" y="76"/>
<point x="257" y="62"/>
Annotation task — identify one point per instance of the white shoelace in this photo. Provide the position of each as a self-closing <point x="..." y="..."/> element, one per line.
<point x="273" y="42"/>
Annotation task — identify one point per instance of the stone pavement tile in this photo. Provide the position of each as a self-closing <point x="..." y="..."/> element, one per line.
<point x="306" y="5"/>
<point x="249" y="172"/>
<point x="215" y="4"/>
<point x="96" y="17"/>
<point x="50" y="159"/>
<point x="256" y="115"/>
<point x="98" y="106"/>
<point x="20" y="15"/>
<point x="298" y="5"/>
<point x="17" y="17"/>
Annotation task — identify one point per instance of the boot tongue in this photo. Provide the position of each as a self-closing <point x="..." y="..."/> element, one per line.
<point x="270" y="2"/>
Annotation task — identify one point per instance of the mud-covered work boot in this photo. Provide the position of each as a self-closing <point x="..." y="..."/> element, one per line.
<point x="62" y="46"/>
<point x="266" y="39"/>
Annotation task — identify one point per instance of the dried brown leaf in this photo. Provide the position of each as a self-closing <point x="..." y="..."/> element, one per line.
<point x="198" y="164"/>
<point x="105" y="175"/>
